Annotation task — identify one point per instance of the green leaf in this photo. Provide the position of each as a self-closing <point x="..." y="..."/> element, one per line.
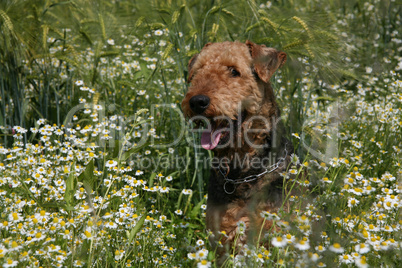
<point x="87" y="177"/>
<point x="163" y="11"/>
<point x="157" y="25"/>
<point x="53" y="204"/>
<point x="133" y="150"/>
<point x="86" y="37"/>
<point x="71" y="184"/>
<point x="327" y="98"/>
<point x="151" y="179"/>
<point x="1" y="120"/>
<point x="60" y="3"/>
<point x="116" y="149"/>
<point x="136" y="228"/>
<point x="196" y="210"/>
<point x="109" y="54"/>
<point x="126" y="83"/>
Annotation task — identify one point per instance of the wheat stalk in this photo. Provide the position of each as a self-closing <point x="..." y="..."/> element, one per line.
<point x="304" y="25"/>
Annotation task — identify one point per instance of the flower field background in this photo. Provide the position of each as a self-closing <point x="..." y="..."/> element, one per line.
<point x="99" y="169"/>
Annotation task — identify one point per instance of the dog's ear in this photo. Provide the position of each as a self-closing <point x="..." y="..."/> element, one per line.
<point x="191" y="64"/>
<point x="266" y="60"/>
<point x="190" y="67"/>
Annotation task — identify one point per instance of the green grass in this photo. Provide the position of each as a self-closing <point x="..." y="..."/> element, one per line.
<point x="90" y="96"/>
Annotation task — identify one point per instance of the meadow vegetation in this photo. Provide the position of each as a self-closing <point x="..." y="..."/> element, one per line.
<point x="99" y="169"/>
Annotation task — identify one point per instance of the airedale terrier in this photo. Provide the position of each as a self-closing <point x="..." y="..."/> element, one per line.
<point x="231" y="95"/>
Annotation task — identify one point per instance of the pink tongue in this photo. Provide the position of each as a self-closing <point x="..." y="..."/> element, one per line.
<point x="209" y="140"/>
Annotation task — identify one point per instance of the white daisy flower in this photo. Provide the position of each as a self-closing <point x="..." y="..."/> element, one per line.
<point x="111" y="163"/>
<point x="278" y="242"/>
<point x="337" y="248"/>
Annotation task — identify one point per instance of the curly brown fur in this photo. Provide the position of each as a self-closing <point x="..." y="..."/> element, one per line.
<point x="230" y="81"/>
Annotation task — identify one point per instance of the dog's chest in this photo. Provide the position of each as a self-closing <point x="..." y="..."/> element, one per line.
<point x="240" y="218"/>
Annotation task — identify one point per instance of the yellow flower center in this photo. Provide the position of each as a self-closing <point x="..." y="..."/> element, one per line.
<point x="88" y="234"/>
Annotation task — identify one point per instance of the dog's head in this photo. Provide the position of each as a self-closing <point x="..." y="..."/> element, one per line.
<point x="229" y="83"/>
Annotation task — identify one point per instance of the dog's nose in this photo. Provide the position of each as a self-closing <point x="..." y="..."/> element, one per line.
<point x="199" y="103"/>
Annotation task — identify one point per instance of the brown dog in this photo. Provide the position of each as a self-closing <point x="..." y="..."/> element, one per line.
<point x="231" y="95"/>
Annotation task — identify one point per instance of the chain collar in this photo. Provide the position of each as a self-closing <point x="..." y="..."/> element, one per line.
<point x="250" y="178"/>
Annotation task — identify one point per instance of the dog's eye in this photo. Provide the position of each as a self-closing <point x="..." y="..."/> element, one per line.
<point x="234" y="72"/>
